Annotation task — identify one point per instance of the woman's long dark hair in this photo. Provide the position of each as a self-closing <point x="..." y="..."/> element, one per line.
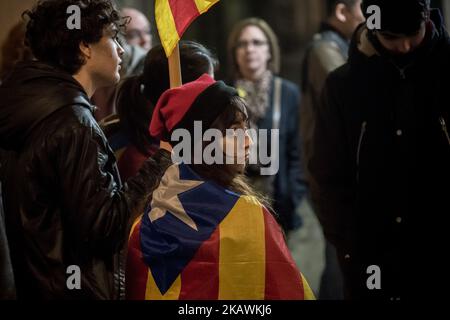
<point x="195" y="59"/>
<point x="138" y="95"/>
<point x="224" y="174"/>
<point x="135" y="112"/>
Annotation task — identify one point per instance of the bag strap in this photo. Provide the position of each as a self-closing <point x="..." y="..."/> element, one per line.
<point x="276" y="117"/>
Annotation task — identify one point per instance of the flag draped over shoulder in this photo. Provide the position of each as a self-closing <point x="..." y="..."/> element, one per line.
<point x="173" y="17"/>
<point x="199" y="241"/>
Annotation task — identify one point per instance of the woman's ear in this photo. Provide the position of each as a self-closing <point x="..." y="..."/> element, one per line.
<point x="85" y="50"/>
<point x="340" y="12"/>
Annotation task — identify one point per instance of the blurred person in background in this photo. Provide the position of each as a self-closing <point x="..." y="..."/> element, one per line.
<point x="137" y="31"/>
<point x="136" y="42"/>
<point x="273" y="103"/>
<point x="327" y="51"/>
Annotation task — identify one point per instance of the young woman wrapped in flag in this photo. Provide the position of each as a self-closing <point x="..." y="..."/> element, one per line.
<point x="205" y="234"/>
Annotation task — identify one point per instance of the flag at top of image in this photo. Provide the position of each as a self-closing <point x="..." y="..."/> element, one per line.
<point x="173" y="17"/>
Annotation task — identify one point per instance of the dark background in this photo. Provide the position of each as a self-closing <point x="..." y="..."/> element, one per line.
<point x="294" y="21"/>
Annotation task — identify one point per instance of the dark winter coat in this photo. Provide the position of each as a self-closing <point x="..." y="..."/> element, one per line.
<point x="381" y="166"/>
<point x="64" y="201"/>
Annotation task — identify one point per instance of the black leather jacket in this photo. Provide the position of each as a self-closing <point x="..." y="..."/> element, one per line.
<point x="7" y="286"/>
<point x="64" y="201"/>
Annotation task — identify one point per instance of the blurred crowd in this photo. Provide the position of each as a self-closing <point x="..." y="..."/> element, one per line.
<point x="86" y="120"/>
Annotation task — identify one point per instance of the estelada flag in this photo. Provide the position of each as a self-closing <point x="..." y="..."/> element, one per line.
<point x="200" y="241"/>
<point x="173" y="17"/>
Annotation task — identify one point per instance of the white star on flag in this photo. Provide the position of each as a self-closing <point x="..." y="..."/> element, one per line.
<point x="165" y="197"/>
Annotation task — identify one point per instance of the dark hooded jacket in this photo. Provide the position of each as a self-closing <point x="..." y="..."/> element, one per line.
<point x="64" y="201"/>
<point x="381" y="165"/>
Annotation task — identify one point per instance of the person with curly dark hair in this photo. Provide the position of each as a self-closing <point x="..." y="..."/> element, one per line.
<point x="66" y="208"/>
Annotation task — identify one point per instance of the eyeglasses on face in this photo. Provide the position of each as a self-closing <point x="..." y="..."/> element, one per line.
<point x="255" y="43"/>
<point x="135" y="34"/>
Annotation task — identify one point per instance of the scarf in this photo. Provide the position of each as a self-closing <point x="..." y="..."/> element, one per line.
<point x="256" y="94"/>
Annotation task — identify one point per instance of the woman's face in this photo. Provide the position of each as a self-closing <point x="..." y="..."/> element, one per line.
<point x="252" y="52"/>
<point x="236" y="146"/>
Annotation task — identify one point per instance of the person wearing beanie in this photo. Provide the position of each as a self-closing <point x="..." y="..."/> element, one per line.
<point x="381" y="154"/>
<point x="206" y="235"/>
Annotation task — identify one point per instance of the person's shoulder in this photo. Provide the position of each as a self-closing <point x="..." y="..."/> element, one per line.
<point x="68" y="127"/>
<point x="339" y="83"/>
<point x="324" y="45"/>
<point x="326" y="41"/>
<point x="289" y="86"/>
<point x="72" y="120"/>
<point x="250" y="202"/>
<point x="83" y="115"/>
<point x="340" y="75"/>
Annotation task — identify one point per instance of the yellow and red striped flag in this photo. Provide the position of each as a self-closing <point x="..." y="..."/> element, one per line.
<point x="209" y="243"/>
<point x="173" y="17"/>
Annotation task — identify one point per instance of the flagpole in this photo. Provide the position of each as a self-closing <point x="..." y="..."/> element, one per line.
<point x="171" y="23"/>
<point x="175" y="81"/>
<point x="175" y="68"/>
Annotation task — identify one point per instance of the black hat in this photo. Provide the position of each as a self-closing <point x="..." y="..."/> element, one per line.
<point x="400" y="16"/>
